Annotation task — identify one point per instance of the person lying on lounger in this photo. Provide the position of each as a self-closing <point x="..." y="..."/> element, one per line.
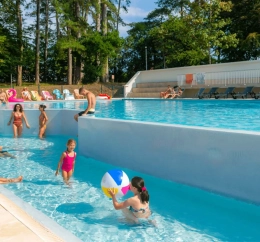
<point x="3" y="96"/>
<point x="168" y="91"/>
<point x="26" y="95"/>
<point x="171" y="95"/>
<point x="178" y="91"/>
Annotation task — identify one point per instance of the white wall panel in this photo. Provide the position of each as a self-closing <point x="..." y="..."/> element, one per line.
<point x="222" y="161"/>
<point x="60" y="122"/>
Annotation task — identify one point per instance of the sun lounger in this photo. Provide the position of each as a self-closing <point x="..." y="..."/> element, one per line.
<point x="77" y="95"/>
<point x="247" y="91"/>
<point x="200" y="92"/>
<point x="35" y="96"/>
<point x="67" y="95"/>
<point x="257" y="95"/>
<point x="209" y="94"/>
<point x="229" y="90"/>
<point x="46" y="95"/>
<point x="57" y="94"/>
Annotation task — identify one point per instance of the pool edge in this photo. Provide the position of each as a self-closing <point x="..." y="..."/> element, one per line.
<point x="40" y="224"/>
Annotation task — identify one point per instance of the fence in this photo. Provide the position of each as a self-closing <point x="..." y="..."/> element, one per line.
<point x="225" y="78"/>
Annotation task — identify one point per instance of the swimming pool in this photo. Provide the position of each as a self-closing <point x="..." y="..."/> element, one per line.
<point x="228" y="114"/>
<point x="182" y="213"/>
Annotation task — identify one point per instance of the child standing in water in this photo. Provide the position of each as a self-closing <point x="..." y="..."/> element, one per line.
<point x="42" y="121"/>
<point x="138" y="204"/>
<point x="67" y="160"/>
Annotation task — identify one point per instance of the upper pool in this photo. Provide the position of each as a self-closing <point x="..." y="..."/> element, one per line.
<point x="228" y="114"/>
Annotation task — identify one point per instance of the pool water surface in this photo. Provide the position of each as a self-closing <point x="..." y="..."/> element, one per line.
<point x="182" y="213"/>
<point x="227" y="114"/>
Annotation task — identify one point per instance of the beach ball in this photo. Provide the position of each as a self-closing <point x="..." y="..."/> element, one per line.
<point x="116" y="179"/>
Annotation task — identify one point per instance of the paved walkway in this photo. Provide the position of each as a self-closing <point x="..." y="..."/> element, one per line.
<point x="17" y="225"/>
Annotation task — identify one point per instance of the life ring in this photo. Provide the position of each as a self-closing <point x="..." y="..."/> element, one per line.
<point x="13" y="98"/>
<point x="103" y="96"/>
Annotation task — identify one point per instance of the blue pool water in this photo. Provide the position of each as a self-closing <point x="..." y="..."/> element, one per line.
<point x="182" y="213"/>
<point x="228" y="114"/>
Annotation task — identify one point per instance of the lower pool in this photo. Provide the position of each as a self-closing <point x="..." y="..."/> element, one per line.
<point x="182" y="213"/>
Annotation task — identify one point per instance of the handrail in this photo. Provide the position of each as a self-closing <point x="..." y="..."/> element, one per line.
<point x="128" y="86"/>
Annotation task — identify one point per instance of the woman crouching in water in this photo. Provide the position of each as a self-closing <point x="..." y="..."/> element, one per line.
<point x="137" y="206"/>
<point x="42" y="121"/>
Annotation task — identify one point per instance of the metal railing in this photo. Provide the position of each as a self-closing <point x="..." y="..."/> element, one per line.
<point x="225" y="78"/>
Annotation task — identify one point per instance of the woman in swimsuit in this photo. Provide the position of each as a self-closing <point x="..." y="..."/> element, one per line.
<point x="18" y="115"/>
<point x="42" y="121"/>
<point x="138" y="204"/>
<point x="67" y="160"/>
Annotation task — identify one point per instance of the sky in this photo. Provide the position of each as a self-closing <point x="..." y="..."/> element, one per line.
<point x="137" y="11"/>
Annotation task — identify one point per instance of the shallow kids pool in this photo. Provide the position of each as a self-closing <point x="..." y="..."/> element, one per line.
<point x="182" y="213"/>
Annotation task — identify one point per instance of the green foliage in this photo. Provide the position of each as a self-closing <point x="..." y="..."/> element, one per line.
<point x="177" y="33"/>
<point x="244" y="22"/>
<point x="97" y="48"/>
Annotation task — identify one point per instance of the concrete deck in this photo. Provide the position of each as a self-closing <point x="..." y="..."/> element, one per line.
<point x="17" y="225"/>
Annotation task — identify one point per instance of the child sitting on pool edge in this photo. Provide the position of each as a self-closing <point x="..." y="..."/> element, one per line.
<point x="67" y="160"/>
<point x="138" y="204"/>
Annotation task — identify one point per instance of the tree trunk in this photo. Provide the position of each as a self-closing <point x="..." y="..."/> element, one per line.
<point x="37" y="44"/>
<point x="118" y="14"/>
<point x="46" y="37"/>
<point x="19" y="42"/>
<point x="69" y="74"/>
<point x="57" y="25"/>
<point x="78" y="63"/>
<point x="105" y="76"/>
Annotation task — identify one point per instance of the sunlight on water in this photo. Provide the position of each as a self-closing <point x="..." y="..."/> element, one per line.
<point x="181" y="213"/>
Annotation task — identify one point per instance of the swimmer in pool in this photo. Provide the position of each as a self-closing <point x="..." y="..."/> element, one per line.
<point x="10" y="180"/>
<point x="5" y="154"/>
<point x="91" y="103"/>
<point x="67" y="161"/>
<point x="137" y="206"/>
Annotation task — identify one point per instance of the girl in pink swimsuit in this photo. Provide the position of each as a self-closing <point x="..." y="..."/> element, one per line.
<point x="67" y="160"/>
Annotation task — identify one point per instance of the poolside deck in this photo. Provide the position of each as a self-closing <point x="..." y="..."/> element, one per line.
<point x="17" y="225"/>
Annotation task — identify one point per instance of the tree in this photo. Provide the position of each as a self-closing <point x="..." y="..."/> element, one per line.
<point x="244" y="22"/>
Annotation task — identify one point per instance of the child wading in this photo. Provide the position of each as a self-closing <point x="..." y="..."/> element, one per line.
<point x="67" y="160"/>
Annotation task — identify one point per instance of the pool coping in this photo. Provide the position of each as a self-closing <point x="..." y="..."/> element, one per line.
<point x="40" y="224"/>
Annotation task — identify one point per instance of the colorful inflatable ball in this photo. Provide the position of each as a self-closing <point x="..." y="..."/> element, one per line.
<point x="116" y="179"/>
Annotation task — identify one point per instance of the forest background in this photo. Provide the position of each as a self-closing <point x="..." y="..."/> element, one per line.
<point x="78" y="42"/>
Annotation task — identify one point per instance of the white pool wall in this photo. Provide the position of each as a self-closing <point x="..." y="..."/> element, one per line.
<point x="61" y="122"/>
<point x="218" y="160"/>
<point x="222" y="161"/>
